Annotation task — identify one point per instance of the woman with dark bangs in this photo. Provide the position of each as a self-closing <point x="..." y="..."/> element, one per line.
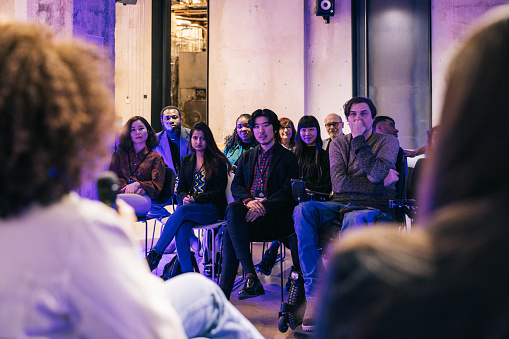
<point x="314" y="165"/>
<point x="201" y="195"/>
<point x="314" y="169"/>
<point x="139" y="168"/>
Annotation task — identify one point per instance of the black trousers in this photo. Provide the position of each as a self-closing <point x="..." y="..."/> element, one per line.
<point x="239" y="234"/>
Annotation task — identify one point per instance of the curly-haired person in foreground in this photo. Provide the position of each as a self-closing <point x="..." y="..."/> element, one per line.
<point x="68" y="266"/>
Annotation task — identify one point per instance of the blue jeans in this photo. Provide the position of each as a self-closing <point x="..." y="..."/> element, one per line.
<point x="311" y="216"/>
<point x="205" y="311"/>
<point x="180" y="223"/>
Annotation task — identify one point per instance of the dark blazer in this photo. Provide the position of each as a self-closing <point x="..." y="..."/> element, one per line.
<point x="283" y="167"/>
<point x="215" y="187"/>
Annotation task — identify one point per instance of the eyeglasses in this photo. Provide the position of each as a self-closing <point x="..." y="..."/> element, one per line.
<point x="330" y="124"/>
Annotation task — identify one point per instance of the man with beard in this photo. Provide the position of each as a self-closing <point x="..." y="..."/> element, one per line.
<point x="174" y="138"/>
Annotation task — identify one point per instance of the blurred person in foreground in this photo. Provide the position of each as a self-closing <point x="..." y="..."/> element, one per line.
<point x="448" y="278"/>
<point x="69" y="266"/>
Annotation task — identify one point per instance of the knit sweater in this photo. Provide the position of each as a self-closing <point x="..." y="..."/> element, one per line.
<point x="359" y="166"/>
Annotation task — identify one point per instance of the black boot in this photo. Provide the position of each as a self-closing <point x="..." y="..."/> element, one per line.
<point x="268" y="261"/>
<point x="297" y="300"/>
<point x="153" y="259"/>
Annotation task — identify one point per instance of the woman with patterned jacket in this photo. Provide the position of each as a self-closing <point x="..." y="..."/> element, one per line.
<point x="139" y="168"/>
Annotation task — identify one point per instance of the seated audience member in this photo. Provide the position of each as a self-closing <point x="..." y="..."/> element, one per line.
<point x="433" y="136"/>
<point x="314" y="170"/>
<point x="140" y="170"/>
<point x="173" y="146"/>
<point x="241" y="140"/>
<point x="286" y="137"/>
<point x="385" y="125"/>
<point x="334" y="127"/>
<point x="286" y="134"/>
<point x="174" y="139"/>
<point x="203" y="179"/>
<point x="363" y="176"/>
<point x="263" y="203"/>
<point x="447" y="278"/>
<point x="314" y="165"/>
<point x="78" y="274"/>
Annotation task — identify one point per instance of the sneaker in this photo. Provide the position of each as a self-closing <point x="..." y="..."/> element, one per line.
<point x="153" y="259"/>
<point x="252" y="288"/>
<point x="308" y="323"/>
<point x="268" y="261"/>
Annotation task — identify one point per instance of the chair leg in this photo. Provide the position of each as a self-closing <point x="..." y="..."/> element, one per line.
<point x="213" y="259"/>
<point x="153" y="234"/>
<point x="281" y="265"/>
<point x="146" y="238"/>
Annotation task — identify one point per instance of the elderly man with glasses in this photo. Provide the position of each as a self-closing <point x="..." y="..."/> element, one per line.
<point x="334" y="126"/>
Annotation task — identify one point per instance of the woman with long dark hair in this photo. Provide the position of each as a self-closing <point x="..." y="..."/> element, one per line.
<point x="314" y="165"/>
<point x="240" y="140"/>
<point x="314" y="170"/>
<point x="201" y="189"/>
<point x="139" y="168"/>
<point x="447" y="278"/>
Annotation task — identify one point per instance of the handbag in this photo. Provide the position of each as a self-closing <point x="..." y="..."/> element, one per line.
<point x="300" y="194"/>
<point x="173" y="268"/>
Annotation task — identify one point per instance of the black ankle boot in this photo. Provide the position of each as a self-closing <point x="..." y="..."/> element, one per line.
<point x="296" y="298"/>
<point x="268" y="261"/>
<point x="153" y="259"/>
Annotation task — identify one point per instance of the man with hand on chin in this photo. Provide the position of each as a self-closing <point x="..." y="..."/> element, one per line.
<point x="363" y="179"/>
<point x="263" y="204"/>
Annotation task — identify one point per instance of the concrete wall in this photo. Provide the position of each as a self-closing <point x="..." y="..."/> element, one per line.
<point x="451" y="21"/>
<point x="262" y="54"/>
<point x="256" y="60"/>
<point x="328" y="52"/>
<point x="7" y="9"/>
<point x="96" y="19"/>
<point x="55" y="13"/>
<point x="133" y="54"/>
